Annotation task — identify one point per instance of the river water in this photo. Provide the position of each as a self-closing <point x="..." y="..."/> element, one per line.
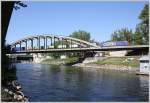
<point x="45" y="83"/>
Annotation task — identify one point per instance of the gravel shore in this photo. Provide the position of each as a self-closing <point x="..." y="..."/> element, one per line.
<point x="106" y="66"/>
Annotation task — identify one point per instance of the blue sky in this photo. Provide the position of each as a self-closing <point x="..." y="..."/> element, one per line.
<point x="101" y="19"/>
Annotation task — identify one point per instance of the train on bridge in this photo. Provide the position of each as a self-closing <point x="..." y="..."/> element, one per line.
<point x="114" y="43"/>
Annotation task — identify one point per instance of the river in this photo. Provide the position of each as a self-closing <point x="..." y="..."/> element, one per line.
<point x="45" y="83"/>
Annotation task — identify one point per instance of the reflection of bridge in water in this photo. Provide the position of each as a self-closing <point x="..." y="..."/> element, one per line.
<point x="51" y="43"/>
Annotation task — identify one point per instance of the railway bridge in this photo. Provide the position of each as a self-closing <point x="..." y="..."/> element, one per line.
<point x="52" y="43"/>
<point x="47" y="43"/>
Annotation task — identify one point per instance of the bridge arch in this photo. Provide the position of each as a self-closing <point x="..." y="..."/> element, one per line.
<point x="55" y="42"/>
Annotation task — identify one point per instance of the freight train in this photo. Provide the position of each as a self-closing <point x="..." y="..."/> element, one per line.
<point x="114" y="43"/>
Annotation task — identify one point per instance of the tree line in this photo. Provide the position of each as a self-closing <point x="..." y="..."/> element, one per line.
<point x="141" y="34"/>
<point x="139" y="37"/>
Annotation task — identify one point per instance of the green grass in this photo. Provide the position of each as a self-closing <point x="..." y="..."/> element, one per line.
<point x="53" y="61"/>
<point x="119" y="61"/>
<point x="71" y="60"/>
<point x="67" y="61"/>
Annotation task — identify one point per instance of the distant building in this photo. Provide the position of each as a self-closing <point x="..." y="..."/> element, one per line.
<point x="144" y="65"/>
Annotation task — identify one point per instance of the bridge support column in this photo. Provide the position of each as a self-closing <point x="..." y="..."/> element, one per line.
<point x="15" y="46"/>
<point x="80" y="45"/>
<point x="54" y="42"/>
<point x="66" y="43"/>
<point x="51" y="41"/>
<point x="71" y="44"/>
<point x="20" y="46"/>
<point x="44" y="42"/>
<point x="26" y="44"/>
<point x="62" y="44"/>
<point x="39" y="43"/>
<point x="32" y="44"/>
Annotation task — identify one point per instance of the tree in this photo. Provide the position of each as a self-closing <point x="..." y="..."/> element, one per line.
<point x="142" y="28"/>
<point x="141" y="35"/>
<point x="8" y="72"/>
<point x="144" y="15"/>
<point x="7" y="9"/>
<point x="122" y="34"/>
<point x="138" y="39"/>
<point x="83" y="35"/>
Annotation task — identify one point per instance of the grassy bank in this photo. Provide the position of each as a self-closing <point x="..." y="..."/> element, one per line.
<point x="124" y="61"/>
<point x="67" y="61"/>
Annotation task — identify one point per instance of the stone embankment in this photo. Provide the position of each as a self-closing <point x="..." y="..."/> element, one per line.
<point x="13" y="92"/>
<point x="90" y="63"/>
<point x="107" y="66"/>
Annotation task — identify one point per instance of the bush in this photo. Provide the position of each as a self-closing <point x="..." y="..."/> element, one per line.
<point x="72" y="60"/>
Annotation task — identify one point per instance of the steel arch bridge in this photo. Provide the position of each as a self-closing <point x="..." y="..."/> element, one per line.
<point x="49" y="42"/>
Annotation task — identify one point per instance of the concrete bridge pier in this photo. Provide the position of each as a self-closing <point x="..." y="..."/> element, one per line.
<point x="37" y="57"/>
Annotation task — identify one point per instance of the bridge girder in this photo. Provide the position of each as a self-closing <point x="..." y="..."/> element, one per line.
<point x="53" y="38"/>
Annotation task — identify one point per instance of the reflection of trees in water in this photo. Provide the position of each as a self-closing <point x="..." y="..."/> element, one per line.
<point x="8" y="74"/>
<point x="8" y="70"/>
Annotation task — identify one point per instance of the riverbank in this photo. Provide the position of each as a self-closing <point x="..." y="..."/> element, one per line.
<point x="114" y="63"/>
<point x="108" y="66"/>
<point x="12" y="92"/>
<point x="5" y="96"/>
<point x="66" y="61"/>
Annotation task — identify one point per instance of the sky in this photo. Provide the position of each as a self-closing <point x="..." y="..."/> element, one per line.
<point x="101" y="19"/>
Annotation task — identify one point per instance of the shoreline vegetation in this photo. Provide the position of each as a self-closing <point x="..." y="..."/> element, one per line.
<point x="116" y="63"/>
<point x="67" y="61"/>
<point x="9" y="85"/>
<point x="108" y="67"/>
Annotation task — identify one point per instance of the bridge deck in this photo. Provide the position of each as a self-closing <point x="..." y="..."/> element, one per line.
<point x="139" y="47"/>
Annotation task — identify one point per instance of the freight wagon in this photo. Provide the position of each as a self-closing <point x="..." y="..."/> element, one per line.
<point x="114" y="43"/>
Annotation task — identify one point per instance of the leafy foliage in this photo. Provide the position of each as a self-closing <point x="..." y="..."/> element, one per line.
<point x="71" y="60"/>
<point x="122" y="34"/>
<point x="142" y="29"/>
<point x="19" y="3"/>
<point x="141" y="34"/>
<point x="144" y="16"/>
<point x="83" y="35"/>
<point x="60" y="42"/>
<point x="139" y="39"/>
<point x="8" y="71"/>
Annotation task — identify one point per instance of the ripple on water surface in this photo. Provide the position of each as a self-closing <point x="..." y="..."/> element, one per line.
<point x="43" y="82"/>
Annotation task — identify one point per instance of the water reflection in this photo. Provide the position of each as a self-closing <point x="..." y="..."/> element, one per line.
<point x="66" y="83"/>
